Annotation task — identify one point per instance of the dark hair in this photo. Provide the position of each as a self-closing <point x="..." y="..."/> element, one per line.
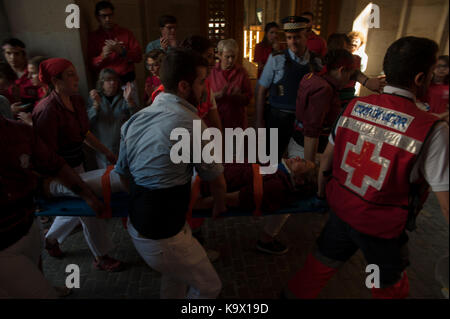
<point x="167" y="19"/>
<point x="102" y="5"/>
<point x="180" y="65"/>
<point x="7" y="73"/>
<point x="335" y="59"/>
<point x="338" y="41"/>
<point x="197" y="43"/>
<point x="267" y="28"/>
<point x="51" y="87"/>
<point x="37" y="60"/>
<point x="14" y="43"/>
<point x="406" y="58"/>
<point x="445" y="59"/>
<point x="155" y="54"/>
<point x="308" y="13"/>
<point x="101" y="78"/>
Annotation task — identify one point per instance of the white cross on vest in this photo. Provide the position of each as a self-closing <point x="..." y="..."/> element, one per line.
<point x="364" y="165"/>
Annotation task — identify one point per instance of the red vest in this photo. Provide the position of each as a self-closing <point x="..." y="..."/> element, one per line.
<point x="377" y="142"/>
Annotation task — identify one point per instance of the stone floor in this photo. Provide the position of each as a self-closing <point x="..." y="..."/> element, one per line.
<point x="245" y="272"/>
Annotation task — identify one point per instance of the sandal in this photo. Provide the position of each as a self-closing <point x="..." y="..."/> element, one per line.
<point x="109" y="264"/>
<point x="53" y="249"/>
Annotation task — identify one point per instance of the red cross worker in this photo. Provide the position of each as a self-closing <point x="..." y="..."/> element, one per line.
<point x="383" y="156"/>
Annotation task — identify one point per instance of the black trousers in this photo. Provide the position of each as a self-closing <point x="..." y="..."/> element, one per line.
<point x="339" y="241"/>
<point x="284" y="122"/>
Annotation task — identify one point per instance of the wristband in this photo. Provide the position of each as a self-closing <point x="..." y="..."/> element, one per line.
<point x="367" y="79"/>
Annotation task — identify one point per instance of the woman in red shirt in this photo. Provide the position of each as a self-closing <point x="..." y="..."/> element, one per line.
<point x="437" y="96"/>
<point x="153" y="61"/>
<point x="231" y="86"/>
<point x="61" y="121"/>
<point x="266" y="46"/>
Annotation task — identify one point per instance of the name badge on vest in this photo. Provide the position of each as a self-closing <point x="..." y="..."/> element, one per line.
<point x="280" y="90"/>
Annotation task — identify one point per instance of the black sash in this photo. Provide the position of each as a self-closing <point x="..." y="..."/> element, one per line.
<point x="159" y="213"/>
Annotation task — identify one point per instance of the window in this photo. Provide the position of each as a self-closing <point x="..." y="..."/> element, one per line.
<point x="216" y="20"/>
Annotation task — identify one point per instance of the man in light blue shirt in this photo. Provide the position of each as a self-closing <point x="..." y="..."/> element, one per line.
<point x="160" y="189"/>
<point x="168" y="39"/>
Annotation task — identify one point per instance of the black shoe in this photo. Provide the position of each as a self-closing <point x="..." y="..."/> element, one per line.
<point x="274" y="247"/>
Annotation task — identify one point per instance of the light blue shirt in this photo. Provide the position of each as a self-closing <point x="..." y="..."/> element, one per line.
<point x="156" y="44"/>
<point x="105" y="123"/>
<point x="274" y="69"/>
<point x="145" y="145"/>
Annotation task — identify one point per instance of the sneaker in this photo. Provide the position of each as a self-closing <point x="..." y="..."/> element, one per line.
<point x="53" y="249"/>
<point x="109" y="264"/>
<point x="213" y="255"/>
<point x="274" y="247"/>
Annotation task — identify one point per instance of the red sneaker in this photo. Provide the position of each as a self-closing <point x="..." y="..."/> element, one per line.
<point x="109" y="264"/>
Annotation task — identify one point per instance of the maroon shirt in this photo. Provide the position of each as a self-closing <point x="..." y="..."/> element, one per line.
<point x="316" y="44"/>
<point x="262" y="53"/>
<point x="23" y="153"/>
<point x="62" y="130"/>
<point x="28" y="92"/>
<point x="318" y="104"/>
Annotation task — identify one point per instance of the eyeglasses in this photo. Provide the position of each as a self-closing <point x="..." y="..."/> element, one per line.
<point x="441" y="66"/>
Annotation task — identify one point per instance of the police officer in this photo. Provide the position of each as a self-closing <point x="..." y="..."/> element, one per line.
<point x="383" y="156"/>
<point x="281" y="77"/>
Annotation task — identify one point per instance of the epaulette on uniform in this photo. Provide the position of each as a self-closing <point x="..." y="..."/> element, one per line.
<point x="308" y="76"/>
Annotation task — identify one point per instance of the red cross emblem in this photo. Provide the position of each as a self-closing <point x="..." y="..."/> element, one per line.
<point x="364" y="165"/>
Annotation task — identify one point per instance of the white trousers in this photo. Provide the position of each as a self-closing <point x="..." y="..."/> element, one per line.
<point x="183" y="263"/>
<point x="95" y="230"/>
<point x="20" y="276"/>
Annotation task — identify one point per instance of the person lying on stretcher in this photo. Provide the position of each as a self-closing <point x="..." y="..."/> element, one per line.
<point x="295" y="179"/>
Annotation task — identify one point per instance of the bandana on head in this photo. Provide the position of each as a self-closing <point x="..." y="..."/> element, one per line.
<point x="52" y="67"/>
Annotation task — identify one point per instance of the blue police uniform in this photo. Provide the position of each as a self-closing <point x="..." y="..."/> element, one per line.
<point x="282" y="75"/>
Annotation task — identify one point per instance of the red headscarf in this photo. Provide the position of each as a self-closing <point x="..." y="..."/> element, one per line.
<point x="52" y="67"/>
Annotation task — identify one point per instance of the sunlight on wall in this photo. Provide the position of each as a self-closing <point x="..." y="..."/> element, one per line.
<point x="361" y="24"/>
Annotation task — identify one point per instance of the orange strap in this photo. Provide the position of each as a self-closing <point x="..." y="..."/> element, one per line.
<point x="106" y="190"/>
<point x="257" y="190"/>
<point x="195" y="191"/>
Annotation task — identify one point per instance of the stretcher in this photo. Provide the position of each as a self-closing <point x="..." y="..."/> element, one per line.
<point x="67" y="206"/>
<point x="106" y="184"/>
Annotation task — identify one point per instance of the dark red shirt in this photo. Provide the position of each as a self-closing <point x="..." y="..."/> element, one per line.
<point x="262" y="53"/>
<point x="122" y="64"/>
<point x="278" y="190"/>
<point x="316" y="44"/>
<point x="28" y="92"/>
<point x="23" y="153"/>
<point x="437" y="98"/>
<point x="318" y="104"/>
<point x="62" y="130"/>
